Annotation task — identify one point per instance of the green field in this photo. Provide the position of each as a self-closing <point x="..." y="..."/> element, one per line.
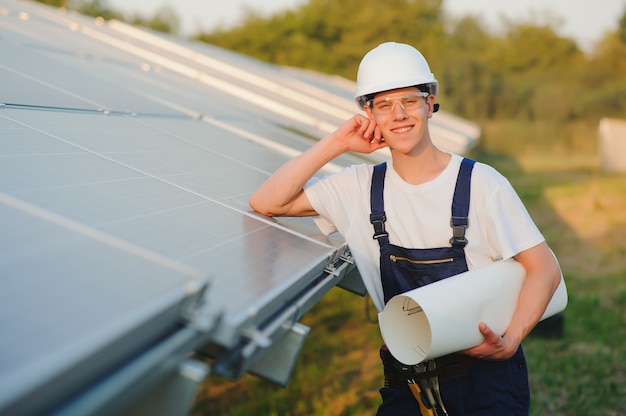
<point x="582" y="213"/>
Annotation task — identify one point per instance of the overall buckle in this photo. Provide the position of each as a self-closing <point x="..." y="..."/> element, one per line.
<point x="459" y="225"/>
<point x="378" y="221"/>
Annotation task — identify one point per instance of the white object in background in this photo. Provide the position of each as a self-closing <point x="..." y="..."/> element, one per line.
<point x="612" y="144"/>
<point x="443" y="317"/>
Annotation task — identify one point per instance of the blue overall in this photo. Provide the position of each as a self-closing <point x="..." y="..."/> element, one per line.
<point x="496" y="388"/>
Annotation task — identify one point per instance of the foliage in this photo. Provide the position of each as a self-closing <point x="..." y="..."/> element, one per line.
<point x="621" y="29"/>
<point x="95" y="8"/>
<point x="164" y="20"/>
<point x="55" y="3"/>
<point x="607" y="71"/>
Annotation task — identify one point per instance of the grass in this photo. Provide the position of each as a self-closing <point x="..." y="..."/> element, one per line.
<point x="582" y="212"/>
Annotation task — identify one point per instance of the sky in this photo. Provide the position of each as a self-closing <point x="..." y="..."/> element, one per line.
<point x="585" y="21"/>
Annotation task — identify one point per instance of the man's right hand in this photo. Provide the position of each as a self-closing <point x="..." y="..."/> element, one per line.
<point x="360" y="134"/>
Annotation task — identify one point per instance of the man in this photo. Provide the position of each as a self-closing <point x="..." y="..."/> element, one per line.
<point x="406" y="207"/>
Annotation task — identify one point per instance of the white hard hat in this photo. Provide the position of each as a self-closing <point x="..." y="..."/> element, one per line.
<point x="389" y="66"/>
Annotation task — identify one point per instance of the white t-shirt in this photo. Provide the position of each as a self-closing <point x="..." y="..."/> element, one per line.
<point x="418" y="216"/>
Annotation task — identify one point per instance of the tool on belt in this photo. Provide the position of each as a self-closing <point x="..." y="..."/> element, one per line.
<point x="425" y="409"/>
<point x="423" y="379"/>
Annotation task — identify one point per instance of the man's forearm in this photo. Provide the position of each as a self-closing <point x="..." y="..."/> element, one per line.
<point x="542" y="278"/>
<point x="280" y="193"/>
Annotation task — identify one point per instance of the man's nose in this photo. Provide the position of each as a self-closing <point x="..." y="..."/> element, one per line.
<point x="395" y="112"/>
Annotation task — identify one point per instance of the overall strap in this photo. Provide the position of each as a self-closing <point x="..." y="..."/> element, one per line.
<point x="377" y="204"/>
<point x="460" y="203"/>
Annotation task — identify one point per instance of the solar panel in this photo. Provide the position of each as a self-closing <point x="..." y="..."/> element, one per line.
<point x="126" y="162"/>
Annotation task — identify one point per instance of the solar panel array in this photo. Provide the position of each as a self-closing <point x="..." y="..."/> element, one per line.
<point x="126" y="162"/>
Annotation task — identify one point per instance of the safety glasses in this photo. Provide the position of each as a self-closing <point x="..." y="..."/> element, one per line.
<point x="408" y="102"/>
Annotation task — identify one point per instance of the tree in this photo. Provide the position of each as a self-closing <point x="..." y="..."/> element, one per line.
<point x="95" y="8"/>
<point x="164" y="20"/>
<point x="55" y="3"/>
<point x="604" y="79"/>
<point x="621" y="28"/>
<point x="537" y="70"/>
<point x="468" y="84"/>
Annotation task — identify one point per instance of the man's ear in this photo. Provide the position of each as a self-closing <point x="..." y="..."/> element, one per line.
<point x="368" y="111"/>
<point x="431" y="105"/>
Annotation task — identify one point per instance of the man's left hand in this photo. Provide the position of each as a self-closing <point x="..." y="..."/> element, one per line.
<point x="494" y="347"/>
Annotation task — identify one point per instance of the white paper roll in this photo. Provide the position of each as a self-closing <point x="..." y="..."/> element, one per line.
<point x="442" y="317"/>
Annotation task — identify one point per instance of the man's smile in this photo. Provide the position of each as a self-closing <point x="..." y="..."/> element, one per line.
<point x="402" y="129"/>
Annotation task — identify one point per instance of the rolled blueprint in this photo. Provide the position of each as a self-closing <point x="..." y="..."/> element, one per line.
<point x="442" y="317"/>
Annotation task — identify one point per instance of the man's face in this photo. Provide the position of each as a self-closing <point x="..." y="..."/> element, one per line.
<point x="402" y="116"/>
